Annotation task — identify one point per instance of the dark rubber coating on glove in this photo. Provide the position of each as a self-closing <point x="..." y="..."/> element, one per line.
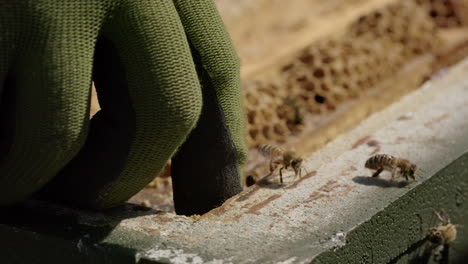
<point x="205" y="169"/>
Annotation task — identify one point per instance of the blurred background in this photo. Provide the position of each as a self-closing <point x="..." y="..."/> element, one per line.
<point x="313" y="69"/>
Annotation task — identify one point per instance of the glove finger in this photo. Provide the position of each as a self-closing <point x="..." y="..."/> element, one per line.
<point x="8" y="36"/>
<point x="205" y="169"/>
<point x="51" y="84"/>
<point x="215" y="148"/>
<point x="209" y="38"/>
<point x="150" y="98"/>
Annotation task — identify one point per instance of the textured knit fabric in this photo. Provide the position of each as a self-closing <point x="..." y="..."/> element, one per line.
<point x="209" y="154"/>
<point x="138" y="54"/>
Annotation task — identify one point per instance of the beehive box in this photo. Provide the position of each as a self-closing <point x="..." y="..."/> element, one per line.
<point x="360" y="57"/>
<point x="308" y="94"/>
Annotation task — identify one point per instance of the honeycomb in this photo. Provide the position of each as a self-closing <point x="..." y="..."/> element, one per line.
<point x="332" y="71"/>
<point x="447" y="13"/>
<point x="405" y="26"/>
<point x="265" y="122"/>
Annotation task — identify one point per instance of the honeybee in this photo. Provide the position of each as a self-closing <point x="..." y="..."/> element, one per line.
<point x="286" y="158"/>
<point x="382" y="162"/>
<point x="445" y="232"/>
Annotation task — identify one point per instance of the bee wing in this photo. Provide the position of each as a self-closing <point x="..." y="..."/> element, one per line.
<point x="269" y="151"/>
<point x="442" y="215"/>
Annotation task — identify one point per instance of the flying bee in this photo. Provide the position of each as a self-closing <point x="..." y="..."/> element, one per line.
<point x="382" y="162"/>
<point x="445" y="232"/>
<point x="286" y="158"/>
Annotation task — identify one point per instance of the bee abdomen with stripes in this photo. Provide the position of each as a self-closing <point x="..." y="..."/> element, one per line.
<point x="380" y="161"/>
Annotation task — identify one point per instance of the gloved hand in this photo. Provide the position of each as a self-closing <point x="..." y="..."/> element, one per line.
<point x="147" y="59"/>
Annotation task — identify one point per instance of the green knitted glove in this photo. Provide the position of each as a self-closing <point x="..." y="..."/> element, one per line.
<point x="147" y="59"/>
